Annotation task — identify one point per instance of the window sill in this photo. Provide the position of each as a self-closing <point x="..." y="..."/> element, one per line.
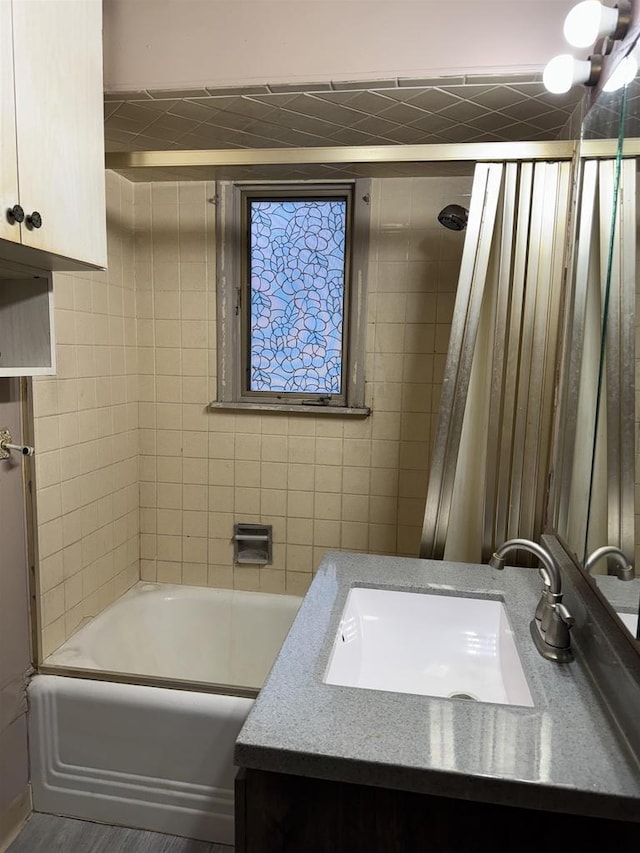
<point x="292" y="409"/>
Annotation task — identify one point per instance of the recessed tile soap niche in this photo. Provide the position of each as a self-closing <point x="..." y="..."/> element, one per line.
<point x="252" y="543"/>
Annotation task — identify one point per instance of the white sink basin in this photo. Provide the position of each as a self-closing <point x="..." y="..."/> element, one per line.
<point x="433" y="645"/>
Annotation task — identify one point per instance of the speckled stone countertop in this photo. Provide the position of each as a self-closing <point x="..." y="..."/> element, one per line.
<point x="621" y="595"/>
<point x="561" y="755"/>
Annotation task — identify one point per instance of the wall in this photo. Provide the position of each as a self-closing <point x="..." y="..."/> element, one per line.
<point x="127" y="386"/>
<point x="86" y="420"/>
<point x="15" y="644"/>
<point x="636" y="556"/>
<point x="322" y="482"/>
<point x="177" y="44"/>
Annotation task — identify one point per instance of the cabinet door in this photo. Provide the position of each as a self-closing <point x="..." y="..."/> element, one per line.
<point x="8" y="156"/>
<point x="58" y="84"/>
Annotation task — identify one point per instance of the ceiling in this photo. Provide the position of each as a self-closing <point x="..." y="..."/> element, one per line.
<point x="391" y="112"/>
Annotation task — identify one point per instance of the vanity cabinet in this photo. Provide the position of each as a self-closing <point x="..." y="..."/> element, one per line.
<point x="341" y="768"/>
<point x="52" y="189"/>
<point x="280" y="813"/>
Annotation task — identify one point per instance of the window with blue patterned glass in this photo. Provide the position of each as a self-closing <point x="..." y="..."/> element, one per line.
<point x="295" y="294"/>
<point x="296" y="337"/>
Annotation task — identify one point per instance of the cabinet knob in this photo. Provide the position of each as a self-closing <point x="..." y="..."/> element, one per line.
<point x="15" y="214"/>
<point x="34" y="220"/>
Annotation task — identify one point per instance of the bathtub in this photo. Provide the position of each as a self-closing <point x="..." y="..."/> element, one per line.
<point x="154" y="757"/>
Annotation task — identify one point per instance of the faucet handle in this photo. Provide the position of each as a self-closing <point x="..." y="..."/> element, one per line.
<point x="557" y="633"/>
<point x="545" y="600"/>
<point x="564" y="614"/>
<point x="544" y="610"/>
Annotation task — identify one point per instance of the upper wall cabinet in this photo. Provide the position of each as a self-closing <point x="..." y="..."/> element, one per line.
<point x="52" y="192"/>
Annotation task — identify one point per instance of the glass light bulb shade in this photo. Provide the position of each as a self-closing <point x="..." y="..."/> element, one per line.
<point x="564" y="71"/>
<point x="624" y="73"/>
<point x="589" y="21"/>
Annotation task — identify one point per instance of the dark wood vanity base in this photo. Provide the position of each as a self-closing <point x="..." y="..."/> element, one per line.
<point x="279" y="813"/>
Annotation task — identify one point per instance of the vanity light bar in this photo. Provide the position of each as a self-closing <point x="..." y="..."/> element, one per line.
<point x="588" y="23"/>
<point x="591" y="20"/>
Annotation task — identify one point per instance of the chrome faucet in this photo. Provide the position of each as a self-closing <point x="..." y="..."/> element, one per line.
<point x="624" y="569"/>
<point x="552" y="621"/>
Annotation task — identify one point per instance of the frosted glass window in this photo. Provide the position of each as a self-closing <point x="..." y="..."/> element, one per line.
<point x="291" y="283"/>
<point x="296" y="281"/>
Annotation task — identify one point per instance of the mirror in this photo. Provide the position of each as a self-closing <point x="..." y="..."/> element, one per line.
<point x="595" y="477"/>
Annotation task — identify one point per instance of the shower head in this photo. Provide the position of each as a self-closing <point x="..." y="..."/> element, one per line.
<point x="454" y="217"/>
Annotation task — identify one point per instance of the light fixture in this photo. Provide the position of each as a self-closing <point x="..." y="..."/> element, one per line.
<point x="590" y="21"/>
<point x="564" y="71"/>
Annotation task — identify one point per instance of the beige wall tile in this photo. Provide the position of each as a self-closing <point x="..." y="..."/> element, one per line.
<point x="246" y="578"/>
<point x="222" y="446"/>
<point x="220" y="577"/>
<point x="297" y="583"/>
<point x="357" y="452"/>
<point x="195" y="523"/>
<point x="299" y="505"/>
<point x="272" y="580"/>
<point x="356" y="481"/>
<point x="247" y="503"/>
<point x="194" y="549"/>
<point x="329" y="451"/>
<point x="247" y="473"/>
<point x="194" y="471"/>
<point x="221" y="472"/>
<point x="194" y="574"/>
<point x="273" y="475"/>
<point x="148" y="570"/>
<point x="301" y="449"/>
<point x="168" y="572"/>
<point x="326" y="533"/>
<point x="302" y="425"/>
<point x="301" y="477"/>
<point x="383" y="538"/>
<point x="93" y="460"/>
<point x="169" y="469"/>
<point x="220" y="498"/>
<point x="279" y="527"/>
<point x="355" y="536"/>
<point x="274" y="448"/>
<point x="273" y="502"/>
<point x="299" y="532"/>
<point x="328" y="505"/>
<point x="299" y="558"/>
<point x="355" y="507"/>
<point x="51" y="572"/>
<point x="168" y="442"/>
<point x="328" y="478"/>
<point x="169" y="495"/>
<point x="194" y="497"/>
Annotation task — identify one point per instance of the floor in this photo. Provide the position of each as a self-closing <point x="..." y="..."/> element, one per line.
<point x="44" y="833"/>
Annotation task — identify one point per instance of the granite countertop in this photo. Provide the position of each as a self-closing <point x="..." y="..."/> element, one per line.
<point x="561" y="755"/>
<point x="623" y="596"/>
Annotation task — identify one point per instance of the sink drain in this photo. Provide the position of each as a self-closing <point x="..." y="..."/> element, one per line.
<point x="461" y="695"/>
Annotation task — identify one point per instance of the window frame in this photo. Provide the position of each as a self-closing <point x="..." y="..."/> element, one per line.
<point x="233" y="296"/>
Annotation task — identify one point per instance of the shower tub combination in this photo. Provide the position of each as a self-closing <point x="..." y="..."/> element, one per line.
<point x="147" y="756"/>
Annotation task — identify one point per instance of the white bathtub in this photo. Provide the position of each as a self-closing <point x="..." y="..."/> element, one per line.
<point x="154" y="757"/>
